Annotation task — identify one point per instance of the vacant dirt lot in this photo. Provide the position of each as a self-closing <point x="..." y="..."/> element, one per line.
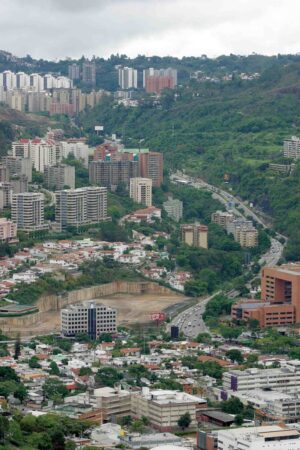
<point x="131" y="309"/>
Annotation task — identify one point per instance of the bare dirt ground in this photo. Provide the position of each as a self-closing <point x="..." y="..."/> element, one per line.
<point x="131" y="309"/>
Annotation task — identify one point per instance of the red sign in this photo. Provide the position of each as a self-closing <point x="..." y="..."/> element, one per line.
<point x="158" y="317"/>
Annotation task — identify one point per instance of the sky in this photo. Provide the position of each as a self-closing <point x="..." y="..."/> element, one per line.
<point x="53" y="29"/>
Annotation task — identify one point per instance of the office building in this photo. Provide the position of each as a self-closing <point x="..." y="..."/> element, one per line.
<point x="74" y="71"/>
<point x="60" y="176"/>
<point x="266" y="437"/>
<point x="28" y="211"/>
<point x="291" y="148"/>
<point x="111" y="173"/>
<point x="280" y="298"/>
<point x="78" y="207"/>
<point x="113" y="402"/>
<point x="127" y="78"/>
<point x="195" y="235"/>
<point x="88" y="318"/>
<point x="89" y="73"/>
<point x="141" y="190"/>
<point x="174" y="208"/>
<point x="8" y="230"/>
<point x="222" y="218"/>
<point x="284" y="379"/>
<point x="163" y="408"/>
<point x="6" y="193"/>
<point x="151" y="166"/>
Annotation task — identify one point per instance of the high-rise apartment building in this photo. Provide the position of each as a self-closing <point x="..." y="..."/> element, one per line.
<point x="28" y="211"/>
<point x="77" y="207"/>
<point x="89" y="73"/>
<point x="152" y="166"/>
<point x="174" y="208"/>
<point x="4" y="173"/>
<point x="60" y="176"/>
<point x="141" y="190"/>
<point x="41" y="152"/>
<point x="74" y="71"/>
<point x="21" y="148"/>
<point x="112" y="173"/>
<point x="8" y="230"/>
<point x="6" y="193"/>
<point x="88" y="318"/>
<point x="168" y="73"/>
<point x="155" y="84"/>
<point x="128" y="78"/>
<point x="243" y="232"/>
<point x="19" y="183"/>
<point x="222" y="218"/>
<point x="291" y="147"/>
<point x="195" y="235"/>
<point x="18" y="166"/>
<point x="76" y="147"/>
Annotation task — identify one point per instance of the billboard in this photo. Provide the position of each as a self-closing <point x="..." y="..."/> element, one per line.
<point x="99" y="127"/>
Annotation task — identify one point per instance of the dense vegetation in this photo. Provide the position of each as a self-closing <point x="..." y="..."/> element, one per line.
<point x="216" y="130"/>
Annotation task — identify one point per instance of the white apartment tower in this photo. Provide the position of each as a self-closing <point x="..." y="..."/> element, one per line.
<point x="141" y="190"/>
<point x="28" y="211"/>
<point x="127" y="78"/>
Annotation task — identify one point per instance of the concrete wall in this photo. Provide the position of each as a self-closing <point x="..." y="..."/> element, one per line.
<point x="50" y="303"/>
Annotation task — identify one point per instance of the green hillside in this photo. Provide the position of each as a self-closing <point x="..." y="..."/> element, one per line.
<point x="213" y="129"/>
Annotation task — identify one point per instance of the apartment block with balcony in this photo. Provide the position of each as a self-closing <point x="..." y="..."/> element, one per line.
<point x="28" y="211"/>
<point x="195" y="235"/>
<point x="141" y="190"/>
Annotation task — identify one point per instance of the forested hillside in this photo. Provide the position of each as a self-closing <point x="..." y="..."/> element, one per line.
<point x="232" y="129"/>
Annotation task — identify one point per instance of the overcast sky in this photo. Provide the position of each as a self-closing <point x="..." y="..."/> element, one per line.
<point x="59" y="28"/>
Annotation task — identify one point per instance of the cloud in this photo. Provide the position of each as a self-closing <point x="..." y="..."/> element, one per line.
<point x="59" y="28"/>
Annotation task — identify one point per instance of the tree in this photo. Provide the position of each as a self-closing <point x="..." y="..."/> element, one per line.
<point x="17" y="347"/>
<point x="108" y="376"/>
<point x="34" y="363"/>
<point x="85" y="371"/>
<point x="238" y="420"/>
<point x="58" y="439"/>
<point x="41" y="441"/>
<point x="235" y="355"/>
<point x="21" y="392"/>
<point x="137" y="426"/>
<point x="54" y="389"/>
<point x="8" y="374"/>
<point x="4" y="428"/>
<point x="54" y="370"/>
<point x="233" y="406"/>
<point x="184" y="421"/>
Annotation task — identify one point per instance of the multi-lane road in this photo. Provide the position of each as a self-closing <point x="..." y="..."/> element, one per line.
<point x="190" y="321"/>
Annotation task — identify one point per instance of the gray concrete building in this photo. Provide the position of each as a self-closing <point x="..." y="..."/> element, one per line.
<point x="28" y="211"/>
<point x="59" y="177"/>
<point x="174" y="208"/>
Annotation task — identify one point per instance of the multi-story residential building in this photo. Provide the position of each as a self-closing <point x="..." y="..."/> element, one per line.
<point x="77" y="207"/>
<point x="114" y="402"/>
<point x="74" y="71"/>
<point x="4" y="173"/>
<point x="168" y="73"/>
<point x="280" y="298"/>
<point x="243" y="232"/>
<point x="60" y="176"/>
<point x="28" y="211"/>
<point x="151" y="166"/>
<point x="78" y="148"/>
<point x="284" y="379"/>
<point x="164" y="408"/>
<point x="141" y="190"/>
<point x="155" y="84"/>
<point x="8" y="230"/>
<point x="18" y="166"/>
<point x="127" y="78"/>
<point x="44" y="152"/>
<point x="174" y="208"/>
<point x="89" y="73"/>
<point x="6" y="193"/>
<point x="19" y="183"/>
<point x="111" y="173"/>
<point x="195" y="235"/>
<point x="21" y="148"/>
<point x="88" y="318"/>
<point x="291" y="148"/>
<point x="222" y="218"/>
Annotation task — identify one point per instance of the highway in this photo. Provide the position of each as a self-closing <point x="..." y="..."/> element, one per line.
<point x="190" y="321"/>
